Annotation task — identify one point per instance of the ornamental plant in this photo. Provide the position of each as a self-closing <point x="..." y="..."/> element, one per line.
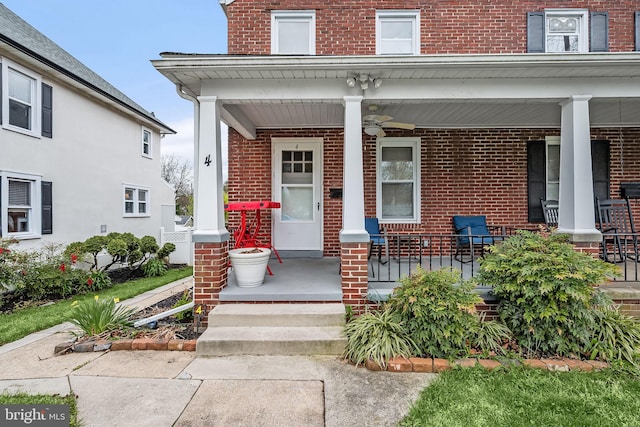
<point x="377" y="336"/>
<point x="97" y="316"/>
<point x="546" y="292"/>
<point x="438" y="310"/>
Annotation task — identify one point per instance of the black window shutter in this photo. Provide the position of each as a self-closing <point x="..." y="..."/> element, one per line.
<point x="536" y="179"/>
<point x="637" y="31"/>
<point x="600" y="167"/>
<point x="47" y="207"/>
<point x="47" y="111"/>
<point x="599" y="31"/>
<point x="535" y="32"/>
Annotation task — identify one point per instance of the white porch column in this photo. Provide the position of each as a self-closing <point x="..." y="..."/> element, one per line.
<point x="208" y="188"/>
<point x="353" y="179"/>
<point x="576" y="200"/>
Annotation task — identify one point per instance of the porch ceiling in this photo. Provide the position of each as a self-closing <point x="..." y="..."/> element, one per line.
<point x="449" y="91"/>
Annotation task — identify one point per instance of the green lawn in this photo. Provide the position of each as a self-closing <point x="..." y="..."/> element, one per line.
<point x="21" y="323"/>
<point x="528" y="397"/>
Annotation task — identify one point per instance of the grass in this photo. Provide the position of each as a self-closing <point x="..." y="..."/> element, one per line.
<point x="528" y="397"/>
<point x="21" y="323"/>
<point x="43" y="399"/>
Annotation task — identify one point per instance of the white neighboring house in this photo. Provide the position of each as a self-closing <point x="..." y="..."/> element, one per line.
<point x="78" y="158"/>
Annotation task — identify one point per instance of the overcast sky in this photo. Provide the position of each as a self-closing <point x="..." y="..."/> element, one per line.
<point x="118" y="38"/>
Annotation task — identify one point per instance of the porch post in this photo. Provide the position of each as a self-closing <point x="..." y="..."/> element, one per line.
<point x="210" y="235"/>
<point x="354" y="239"/>
<point x="576" y="200"/>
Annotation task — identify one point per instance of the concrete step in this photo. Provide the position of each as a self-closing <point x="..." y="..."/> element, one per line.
<point x="280" y="341"/>
<point x="277" y="315"/>
<point x="273" y="329"/>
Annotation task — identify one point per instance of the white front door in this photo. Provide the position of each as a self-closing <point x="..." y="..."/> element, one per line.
<point x="297" y="185"/>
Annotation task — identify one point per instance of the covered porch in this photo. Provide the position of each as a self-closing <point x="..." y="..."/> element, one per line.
<point x="479" y="110"/>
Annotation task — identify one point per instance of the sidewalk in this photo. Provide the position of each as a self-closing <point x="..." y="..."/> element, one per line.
<point x="172" y="388"/>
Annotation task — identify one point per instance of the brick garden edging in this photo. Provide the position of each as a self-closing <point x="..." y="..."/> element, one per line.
<point x="435" y="365"/>
<point x="126" y="344"/>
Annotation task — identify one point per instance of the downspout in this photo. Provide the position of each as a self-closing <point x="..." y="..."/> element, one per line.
<point x="196" y="134"/>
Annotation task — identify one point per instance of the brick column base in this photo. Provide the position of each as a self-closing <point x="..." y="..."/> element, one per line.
<point x="592" y="248"/>
<point x="210" y="267"/>
<point x="354" y="275"/>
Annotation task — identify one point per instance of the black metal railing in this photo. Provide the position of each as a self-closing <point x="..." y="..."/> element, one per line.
<point x="434" y="251"/>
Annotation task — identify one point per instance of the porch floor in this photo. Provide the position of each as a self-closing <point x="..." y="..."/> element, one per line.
<point x="296" y="279"/>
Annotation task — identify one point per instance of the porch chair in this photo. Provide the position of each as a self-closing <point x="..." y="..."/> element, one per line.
<point x="472" y="233"/>
<point x="550" y="211"/>
<point x="378" y="238"/>
<point x="615" y="222"/>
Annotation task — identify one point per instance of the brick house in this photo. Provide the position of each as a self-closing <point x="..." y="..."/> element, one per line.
<point x="491" y="109"/>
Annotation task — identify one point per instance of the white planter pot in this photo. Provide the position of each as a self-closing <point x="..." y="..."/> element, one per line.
<point x="249" y="265"/>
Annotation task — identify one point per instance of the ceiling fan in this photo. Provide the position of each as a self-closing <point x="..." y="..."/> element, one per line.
<point x="373" y="123"/>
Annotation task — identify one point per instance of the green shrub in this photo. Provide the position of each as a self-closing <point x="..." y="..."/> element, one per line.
<point x="166" y="250"/>
<point x="97" y="316"/>
<point x="377" y="336"/>
<point x="546" y="291"/>
<point x="437" y="308"/>
<point x="154" y="267"/>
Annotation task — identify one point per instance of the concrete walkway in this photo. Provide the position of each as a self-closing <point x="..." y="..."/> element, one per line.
<point x="170" y="388"/>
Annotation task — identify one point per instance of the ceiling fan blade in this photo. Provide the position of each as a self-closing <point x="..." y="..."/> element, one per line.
<point x="399" y="125"/>
<point x="376" y="118"/>
<point x="381" y="133"/>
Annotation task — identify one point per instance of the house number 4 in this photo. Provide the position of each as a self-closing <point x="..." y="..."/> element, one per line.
<point x="207" y="160"/>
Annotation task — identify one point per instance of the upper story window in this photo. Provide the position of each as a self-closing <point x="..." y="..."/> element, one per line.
<point x="293" y="32"/>
<point x="397" y="32"/>
<point x="398" y="180"/>
<point x="21" y="99"/>
<point x="566" y="31"/>
<point x="136" y="201"/>
<point x="147" y="143"/>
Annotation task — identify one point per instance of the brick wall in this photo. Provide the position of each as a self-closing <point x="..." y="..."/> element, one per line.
<point x="446" y="27"/>
<point x="463" y="171"/>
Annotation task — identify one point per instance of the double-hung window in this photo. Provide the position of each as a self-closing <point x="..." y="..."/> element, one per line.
<point x="147" y="143"/>
<point x="552" y="176"/>
<point x="21" y="99"/>
<point x="136" y="201"/>
<point x="21" y="205"/>
<point x="566" y="31"/>
<point x="293" y="32"/>
<point x="398" y="180"/>
<point x="397" y="32"/>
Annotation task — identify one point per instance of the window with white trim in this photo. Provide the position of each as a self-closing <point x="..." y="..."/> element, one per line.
<point x="20" y="202"/>
<point x="20" y="99"/>
<point x="397" y="32"/>
<point x="398" y="180"/>
<point x="147" y="143"/>
<point x="552" y="180"/>
<point x="293" y="32"/>
<point x="136" y="201"/>
<point x="566" y="30"/>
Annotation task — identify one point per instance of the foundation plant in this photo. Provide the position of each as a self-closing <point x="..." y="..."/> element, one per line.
<point x="549" y="306"/>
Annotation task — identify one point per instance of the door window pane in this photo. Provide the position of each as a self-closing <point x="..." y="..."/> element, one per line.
<point x="297" y="204"/>
<point x="297" y="167"/>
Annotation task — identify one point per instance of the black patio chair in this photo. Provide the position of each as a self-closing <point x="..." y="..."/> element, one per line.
<point x="550" y="211"/>
<point x="615" y="222"/>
